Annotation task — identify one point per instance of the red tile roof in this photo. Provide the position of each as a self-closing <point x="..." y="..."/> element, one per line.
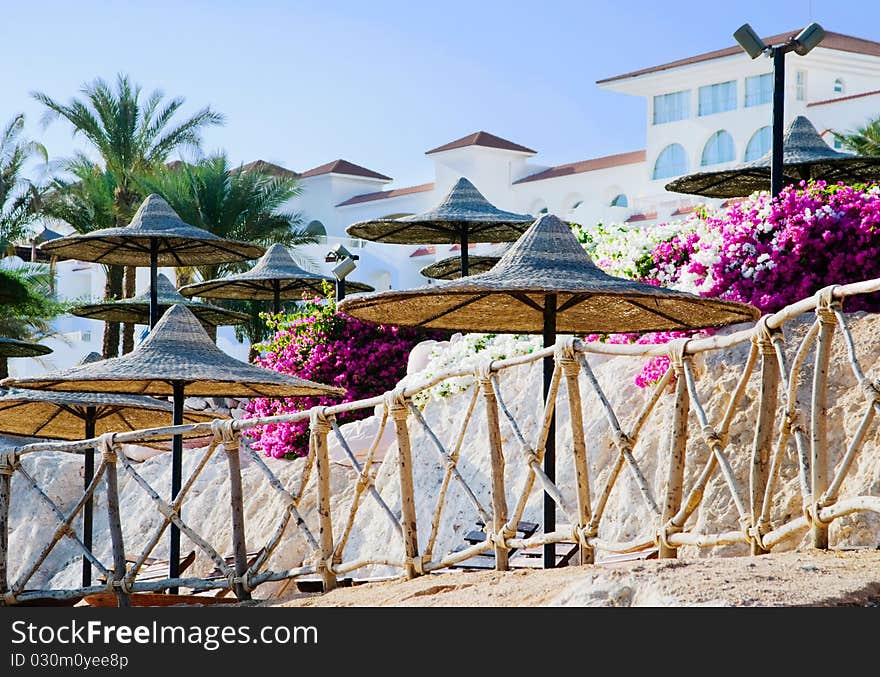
<point x="838" y="41"/>
<point x="268" y="168"/>
<point x="587" y="166"/>
<point x="482" y="139"/>
<point x="344" y="167"/>
<point x="457" y="247"/>
<point x="844" y="98"/>
<point x="649" y="216"/>
<point x="424" y="251"/>
<point x="681" y="211"/>
<point x="385" y="194"/>
<point x="732" y="201"/>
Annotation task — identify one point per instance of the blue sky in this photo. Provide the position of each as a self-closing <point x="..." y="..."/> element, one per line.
<point x="378" y="83"/>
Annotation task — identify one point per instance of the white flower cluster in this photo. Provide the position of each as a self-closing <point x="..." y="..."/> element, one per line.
<point x="617" y="247"/>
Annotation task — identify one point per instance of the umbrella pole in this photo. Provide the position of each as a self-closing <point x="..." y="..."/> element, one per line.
<point x="176" y="472"/>
<point x="88" y="474"/>
<point x="154" y="294"/>
<point x="550" y="448"/>
<point x="464" y="251"/>
<point x="276" y="296"/>
<point x="778" y="135"/>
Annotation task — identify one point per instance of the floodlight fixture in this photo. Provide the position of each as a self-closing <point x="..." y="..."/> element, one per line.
<point x="750" y="41"/>
<point x="808" y="38"/>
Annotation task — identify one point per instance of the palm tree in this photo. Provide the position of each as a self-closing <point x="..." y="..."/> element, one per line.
<point x="133" y="136"/>
<point x="19" y="197"/>
<point x="234" y="203"/>
<point x="864" y="140"/>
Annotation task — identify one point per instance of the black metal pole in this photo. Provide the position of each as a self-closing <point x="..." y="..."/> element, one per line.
<point x="276" y="296"/>
<point x="776" y="166"/>
<point x="176" y="472"/>
<point x="88" y="474"/>
<point x="550" y="449"/>
<point x="154" y="293"/>
<point x="340" y="288"/>
<point x="464" y="251"/>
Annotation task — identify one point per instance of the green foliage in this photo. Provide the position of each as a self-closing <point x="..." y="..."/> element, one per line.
<point x="19" y="197"/>
<point x="29" y="314"/>
<point x="864" y="140"/>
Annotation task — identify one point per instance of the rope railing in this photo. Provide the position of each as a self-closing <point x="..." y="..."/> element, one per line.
<point x="513" y="440"/>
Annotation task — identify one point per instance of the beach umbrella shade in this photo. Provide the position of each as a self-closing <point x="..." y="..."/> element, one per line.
<point x="275" y="276"/>
<point x="10" y="347"/>
<point x="464" y="216"/>
<point x="805" y="156"/>
<point x="544" y="284"/>
<point x="450" y="267"/>
<point x="156" y="236"/>
<point x="178" y="358"/>
<point x="82" y="416"/>
<point x="136" y="310"/>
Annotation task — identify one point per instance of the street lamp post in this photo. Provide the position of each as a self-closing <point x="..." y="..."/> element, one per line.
<point x="754" y="46"/>
<point x="345" y="264"/>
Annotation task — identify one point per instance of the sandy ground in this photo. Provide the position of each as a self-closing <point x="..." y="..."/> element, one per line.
<point x="787" y="579"/>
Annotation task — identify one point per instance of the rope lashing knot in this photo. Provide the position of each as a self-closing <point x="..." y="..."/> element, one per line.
<point x="417" y="565"/>
<point x="289" y="500"/>
<point x="166" y="509"/>
<point x="123" y="584"/>
<point x="677" y="354"/>
<point x="623" y="441"/>
<point x="713" y="439"/>
<point x="483" y="374"/>
<point x="826" y="305"/>
<point x="565" y="355"/>
<point x="765" y="337"/>
<point x="318" y="421"/>
<point x="499" y="538"/>
<point x="224" y="433"/>
<point x="581" y="535"/>
<point x="871" y="389"/>
<point x="8" y="462"/>
<point x="107" y="447"/>
<point x="395" y="404"/>
<point x="813" y="515"/>
<point x="663" y="534"/>
<point x="793" y="422"/>
<point x="244" y="581"/>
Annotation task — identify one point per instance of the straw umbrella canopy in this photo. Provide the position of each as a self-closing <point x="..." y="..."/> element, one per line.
<point x="177" y="358"/>
<point x="274" y="277"/>
<point x="462" y="217"/>
<point x="805" y="155"/>
<point x="546" y="283"/>
<point x="156" y="236"/>
<point x="450" y="267"/>
<point x="82" y="416"/>
<point x="136" y="310"/>
<point x="10" y="347"/>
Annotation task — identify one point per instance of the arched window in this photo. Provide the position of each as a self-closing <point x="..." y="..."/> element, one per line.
<point x="316" y="228"/>
<point x="759" y="144"/>
<point x="672" y="161"/>
<point x="718" y="149"/>
<point x="620" y="200"/>
<point x="839" y="86"/>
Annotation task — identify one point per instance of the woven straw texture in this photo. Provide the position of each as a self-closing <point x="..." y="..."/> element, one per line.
<point x="450" y="268"/>
<point x="137" y="308"/>
<point x="177" y="349"/>
<point x="180" y="244"/>
<point x="805" y="156"/>
<point x="511" y="297"/>
<point x="464" y="208"/>
<point x="10" y="347"/>
<point x="258" y="283"/>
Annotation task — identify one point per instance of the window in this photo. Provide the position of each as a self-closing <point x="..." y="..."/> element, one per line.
<point x="800" y="86"/>
<point x="717" y="98"/>
<point x="621" y="200"/>
<point x="839" y="87"/>
<point x="718" y="149"/>
<point x="672" y="107"/>
<point x="759" y="144"/>
<point x="672" y="161"/>
<point x="316" y="228"/>
<point x="759" y="89"/>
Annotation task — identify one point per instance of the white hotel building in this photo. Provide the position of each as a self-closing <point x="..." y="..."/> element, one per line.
<point x="707" y="111"/>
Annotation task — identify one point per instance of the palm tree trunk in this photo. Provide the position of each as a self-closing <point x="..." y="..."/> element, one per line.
<point x="112" y="290"/>
<point x="127" y="328"/>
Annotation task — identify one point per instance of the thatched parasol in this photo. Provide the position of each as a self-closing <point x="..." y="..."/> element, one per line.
<point x="177" y="358"/>
<point x="450" y="267"/>
<point x="82" y="416"/>
<point x="10" y="347"/>
<point x="136" y="310"/>
<point x="155" y="237"/>
<point x="274" y="277"/>
<point x="546" y="283"/>
<point x="806" y="156"/>
<point x="463" y="216"/>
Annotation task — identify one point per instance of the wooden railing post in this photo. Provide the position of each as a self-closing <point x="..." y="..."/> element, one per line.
<point x="571" y="369"/>
<point x="677" y="447"/>
<point x="236" y="500"/>
<point x="496" y="460"/>
<point x="399" y="411"/>
<point x="819" y="417"/>
<point x="7" y="466"/>
<point x="762" y="446"/>
<point x="320" y="426"/>
<point x="114" y="519"/>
